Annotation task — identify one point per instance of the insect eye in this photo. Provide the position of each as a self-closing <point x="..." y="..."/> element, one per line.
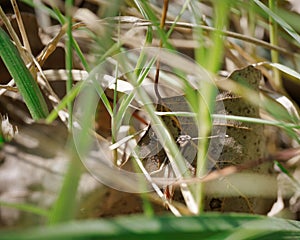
<point x="183" y="140"/>
<point x="153" y="136"/>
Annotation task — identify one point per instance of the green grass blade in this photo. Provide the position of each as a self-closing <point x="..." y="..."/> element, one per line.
<point x="26" y="208"/>
<point x="279" y="20"/>
<point x="25" y="82"/>
<point x="274" y="41"/>
<point x="150" y="15"/>
<point x="207" y="226"/>
<point x="208" y="92"/>
<point x="63" y="103"/>
<point x="69" y="57"/>
<point x="80" y="55"/>
<point x="2" y="138"/>
<point x="64" y="208"/>
<point x="128" y="99"/>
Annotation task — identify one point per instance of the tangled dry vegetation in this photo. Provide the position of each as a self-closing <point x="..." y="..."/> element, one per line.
<point x="248" y="49"/>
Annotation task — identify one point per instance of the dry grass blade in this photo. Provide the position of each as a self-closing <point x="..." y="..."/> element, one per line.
<point x="137" y="22"/>
<point x="8" y="88"/>
<point x="13" y="35"/>
<point x="21" y="26"/>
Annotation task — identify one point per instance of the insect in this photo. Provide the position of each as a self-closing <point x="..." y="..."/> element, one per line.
<point x="153" y="155"/>
<point x="152" y="152"/>
<point x="184" y="132"/>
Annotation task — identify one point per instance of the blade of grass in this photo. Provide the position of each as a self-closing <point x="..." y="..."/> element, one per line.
<point x="288" y="174"/>
<point x="128" y="99"/>
<point x="256" y="120"/>
<point x="69" y="57"/>
<point x="80" y="55"/>
<point x="184" y="7"/>
<point x="208" y="92"/>
<point x="114" y="126"/>
<point x="285" y="69"/>
<point x="2" y="137"/>
<point x="119" y="116"/>
<point x="25" y="82"/>
<point x="13" y="35"/>
<point x="63" y="103"/>
<point x="292" y="18"/>
<point x="236" y="118"/>
<point x="73" y="43"/>
<point x="150" y="15"/>
<point x="274" y="41"/>
<point x="208" y="226"/>
<point x="279" y="20"/>
<point x="26" y="208"/>
<point x="198" y="34"/>
<point x="65" y="206"/>
<point x="21" y="25"/>
<point x="291" y="129"/>
<point x="274" y="108"/>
